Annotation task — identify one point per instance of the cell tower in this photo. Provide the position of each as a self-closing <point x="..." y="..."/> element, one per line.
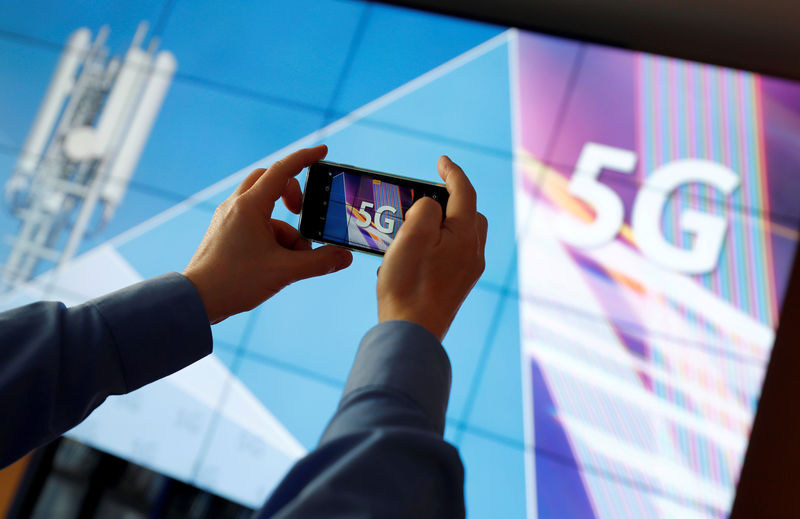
<point x="83" y="147"/>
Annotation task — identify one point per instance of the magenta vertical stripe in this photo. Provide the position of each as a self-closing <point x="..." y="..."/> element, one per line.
<point x="707" y="148"/>
<point x="639" y="113"/>
<point x="670" y="114"/>
<point x="739" y="261"/>
<point x="657" y="123"/>
<point x="691" y="109"/>
<point x="751" y="176"/>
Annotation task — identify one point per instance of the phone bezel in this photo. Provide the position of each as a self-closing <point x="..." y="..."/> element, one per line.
<point x="314" y="211"/>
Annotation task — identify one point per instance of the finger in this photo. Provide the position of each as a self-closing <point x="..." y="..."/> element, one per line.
<point x="462" y="202"/>
<point x="272" y="184"/>
<point x="482" y="225"/>
<point x="301" y="244"/>
<point x="248" y="182"/>
<point x="422" y="223"/>
<point x="288" y="237"/>
<point x="320" y="261"/>
<point x="292" y="196"/>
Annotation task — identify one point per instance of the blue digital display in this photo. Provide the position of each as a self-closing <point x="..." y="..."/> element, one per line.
<point x="609" y="360"/>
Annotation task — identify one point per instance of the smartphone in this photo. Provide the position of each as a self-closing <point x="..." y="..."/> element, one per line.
<point x="357" y="208"/>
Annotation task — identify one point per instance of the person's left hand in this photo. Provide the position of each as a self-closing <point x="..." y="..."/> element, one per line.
<point x="246" y="257"/>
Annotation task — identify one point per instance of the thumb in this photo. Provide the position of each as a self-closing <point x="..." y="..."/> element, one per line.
<point x="422" y="224"/>
<point x="320" y="261"/>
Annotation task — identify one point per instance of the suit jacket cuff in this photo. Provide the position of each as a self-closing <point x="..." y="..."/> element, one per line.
<point x="404" y="357"/>
<point x="159" y="327"/>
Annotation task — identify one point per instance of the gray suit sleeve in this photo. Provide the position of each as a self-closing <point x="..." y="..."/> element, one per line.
<point x="382" y="455"/>
<point x="57" y="364"/>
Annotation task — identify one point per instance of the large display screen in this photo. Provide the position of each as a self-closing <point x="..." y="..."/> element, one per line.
<point x="642" y="225"/>
<point x="661" y="216"/>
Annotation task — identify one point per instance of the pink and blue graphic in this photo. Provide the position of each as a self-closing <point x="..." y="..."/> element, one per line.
<point x="655" y="242"/>
<point x="365" y="211"/>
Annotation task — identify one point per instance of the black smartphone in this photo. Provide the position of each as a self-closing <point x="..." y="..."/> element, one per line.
<point x="358" y="208"/>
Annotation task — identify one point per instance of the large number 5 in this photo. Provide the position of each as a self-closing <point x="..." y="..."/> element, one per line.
<point x="708" y="231"/>
<point x="363" y="212"/>
<point x="609" y="211"/>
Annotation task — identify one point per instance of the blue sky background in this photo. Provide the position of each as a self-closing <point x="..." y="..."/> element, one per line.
<point x="255" y="76"/>
<point x="252" y="77"/>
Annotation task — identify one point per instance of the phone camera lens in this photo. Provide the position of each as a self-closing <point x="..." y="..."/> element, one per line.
<point x="327" y="188"/>
<point x="435" y="196"/>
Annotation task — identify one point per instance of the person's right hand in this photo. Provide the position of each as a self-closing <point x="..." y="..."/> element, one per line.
<point x="246" y="255"/>
<point x="432" y="265"/>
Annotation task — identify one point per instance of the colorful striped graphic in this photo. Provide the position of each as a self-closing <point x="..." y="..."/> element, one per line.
<point x="366" y="212"/>
<point x="701" y="111"/>
<point x="640" y="376"/>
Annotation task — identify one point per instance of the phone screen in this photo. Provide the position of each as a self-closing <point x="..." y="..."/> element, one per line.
<point x="364" y="211"/>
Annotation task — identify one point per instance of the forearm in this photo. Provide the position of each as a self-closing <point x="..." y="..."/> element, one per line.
<point x="383" y="454"/>
<point x="58" y="364"/>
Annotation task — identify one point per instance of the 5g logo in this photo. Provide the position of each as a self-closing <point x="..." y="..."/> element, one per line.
<point x="708" y="230"/>
<point x="385" y="225"/>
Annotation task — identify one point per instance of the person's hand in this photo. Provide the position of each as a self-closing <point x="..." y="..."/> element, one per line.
<point x="432" y="265"/>
<point x="246" y="257"/>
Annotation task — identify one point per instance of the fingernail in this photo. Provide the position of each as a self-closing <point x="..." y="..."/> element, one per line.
<point x="343" y="261"/>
